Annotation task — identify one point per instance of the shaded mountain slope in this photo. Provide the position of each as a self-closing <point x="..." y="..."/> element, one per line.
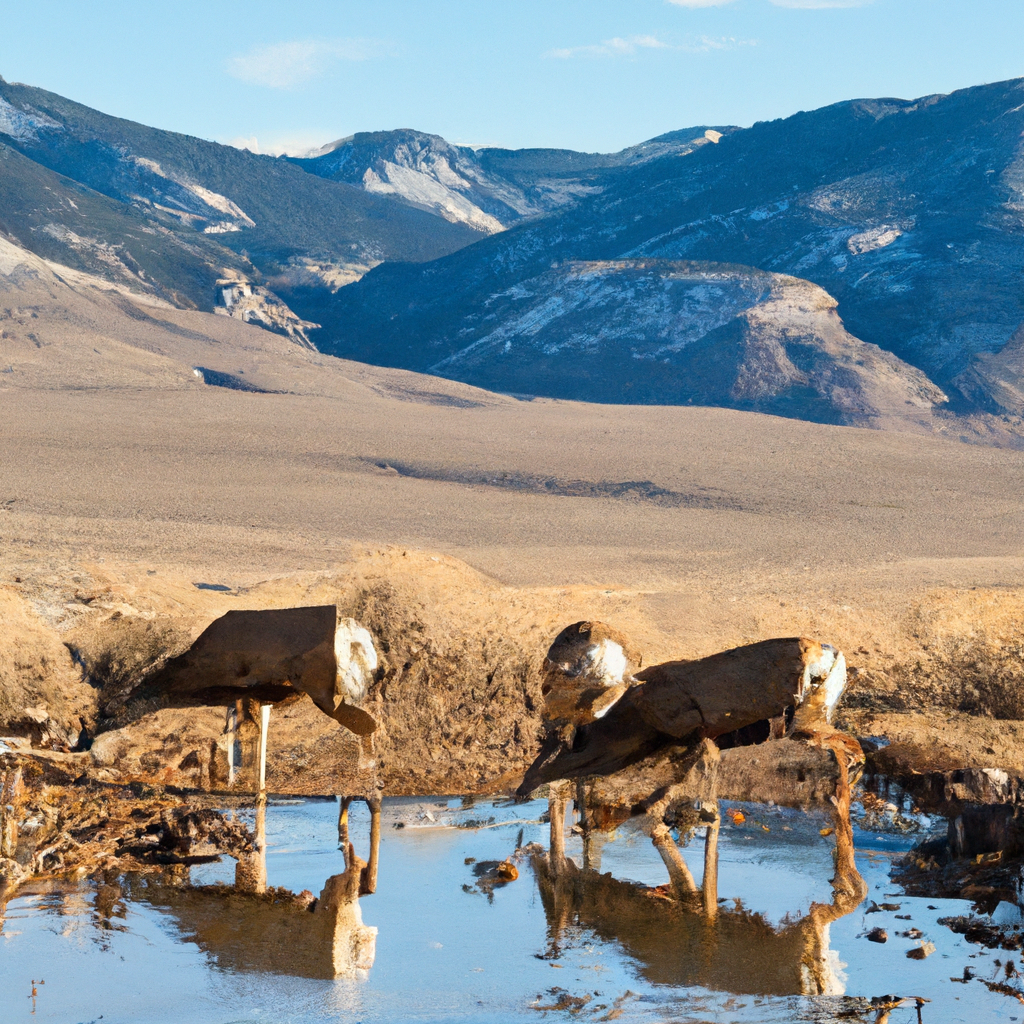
<point x="674" y="332"/>
<point x="286" y="221"/>
<point x="149" y="251"/>
<point x="909" y="213"/>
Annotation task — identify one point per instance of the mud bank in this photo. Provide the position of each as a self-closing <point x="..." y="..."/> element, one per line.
<point x="936" y="678"/>
<point x="935" y="686"/>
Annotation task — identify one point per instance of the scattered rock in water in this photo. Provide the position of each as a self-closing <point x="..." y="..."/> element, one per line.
<point x="491" y="875"/>
<point x="565" y="1001"/>
<point x="878" y="935"/>
<point x="921" y="952"/>
<point x="984" y="933"/>
<point x="877" y="908"/>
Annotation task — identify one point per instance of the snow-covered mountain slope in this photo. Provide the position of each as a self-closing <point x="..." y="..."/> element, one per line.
<point x="486" y="189"/>
<point x="909" y="213"/>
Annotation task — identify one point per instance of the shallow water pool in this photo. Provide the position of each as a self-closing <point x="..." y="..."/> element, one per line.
<point x="451" y="947"/>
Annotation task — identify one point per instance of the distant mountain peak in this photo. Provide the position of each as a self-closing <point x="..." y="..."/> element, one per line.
<point x="486" y="188"/>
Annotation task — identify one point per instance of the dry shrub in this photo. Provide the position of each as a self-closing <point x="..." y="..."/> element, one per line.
<point x="118" y="653"/>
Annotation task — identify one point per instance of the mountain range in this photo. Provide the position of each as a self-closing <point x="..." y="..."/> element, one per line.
<point x="487" y="189"/>
<point x="857" y="264"/>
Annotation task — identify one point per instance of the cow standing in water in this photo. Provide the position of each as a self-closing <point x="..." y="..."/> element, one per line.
<point x="251" y="660"/>
<point x="603" y="715"/>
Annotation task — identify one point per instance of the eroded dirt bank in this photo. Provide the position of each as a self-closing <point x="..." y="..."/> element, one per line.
<point x="935" y="682"/>
<point x="937" y="673"/>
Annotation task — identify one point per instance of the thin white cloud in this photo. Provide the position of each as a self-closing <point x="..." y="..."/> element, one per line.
<point x="619" y="47"/>
<point x="616" y="47"/>
<point x="704" y="44"/>
<point x="286" y="145"/>
<point x="285" y="65"/>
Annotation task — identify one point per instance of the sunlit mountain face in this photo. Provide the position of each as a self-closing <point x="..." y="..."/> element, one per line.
<point x="856" y="264"/>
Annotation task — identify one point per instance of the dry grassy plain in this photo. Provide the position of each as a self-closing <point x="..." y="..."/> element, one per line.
<point x="125" y="480"/>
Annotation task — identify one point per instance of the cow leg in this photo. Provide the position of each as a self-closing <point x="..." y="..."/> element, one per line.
<point x="709" y="883"/>
<point x="231" y="728"/>
<point x="557" y="804"/>
<point x="593" y="839"/>
<point x="264" y="733"/>
<point x="847" y="879"/>
<point x="343" y="840"/>
<point x="251" y="868"/>
<point x="679" y="874"/>
<point x="709" y="806"/>
<point x="368" y="881"/>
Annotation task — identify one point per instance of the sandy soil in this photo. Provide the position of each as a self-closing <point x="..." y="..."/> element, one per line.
<point x="468" y="528"/>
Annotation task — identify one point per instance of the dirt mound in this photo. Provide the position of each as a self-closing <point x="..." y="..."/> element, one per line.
<point x="457" y="693"/>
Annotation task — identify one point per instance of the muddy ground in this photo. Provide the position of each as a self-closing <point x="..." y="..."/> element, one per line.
<point x="935" y="694"/>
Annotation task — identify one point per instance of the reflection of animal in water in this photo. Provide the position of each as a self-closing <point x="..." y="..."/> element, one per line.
<point x="255" y="928"/>
<point x="273" y="930"/>
<point x="251" y="868"/>
<point x="603" y="719"/>
<point x="253" y="659"/>
<point x="679" y="942"/>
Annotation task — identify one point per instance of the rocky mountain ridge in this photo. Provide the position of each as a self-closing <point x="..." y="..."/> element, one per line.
<point x="487" y="188"/>
<point x="907" y="212"/>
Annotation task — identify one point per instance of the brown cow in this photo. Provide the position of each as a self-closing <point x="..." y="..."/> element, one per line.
<point x="610" y="719"/>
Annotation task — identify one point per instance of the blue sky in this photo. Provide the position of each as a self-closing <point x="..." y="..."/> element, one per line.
<point x="583" y="74"/>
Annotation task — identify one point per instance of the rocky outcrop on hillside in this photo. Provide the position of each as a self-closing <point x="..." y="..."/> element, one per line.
<point x="674" y="332"/>
<point x="70" y="301"/>
<point x="254" y="304"/>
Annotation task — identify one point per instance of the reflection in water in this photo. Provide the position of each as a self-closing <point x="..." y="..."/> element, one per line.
<point x="687" y="938"/>
<point x="252" y="928"/>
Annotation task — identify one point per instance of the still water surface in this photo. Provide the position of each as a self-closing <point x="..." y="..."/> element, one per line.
<point x="449" y="949"/>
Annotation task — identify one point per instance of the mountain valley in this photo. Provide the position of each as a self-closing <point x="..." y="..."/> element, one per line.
<point x="859" y="264"/>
